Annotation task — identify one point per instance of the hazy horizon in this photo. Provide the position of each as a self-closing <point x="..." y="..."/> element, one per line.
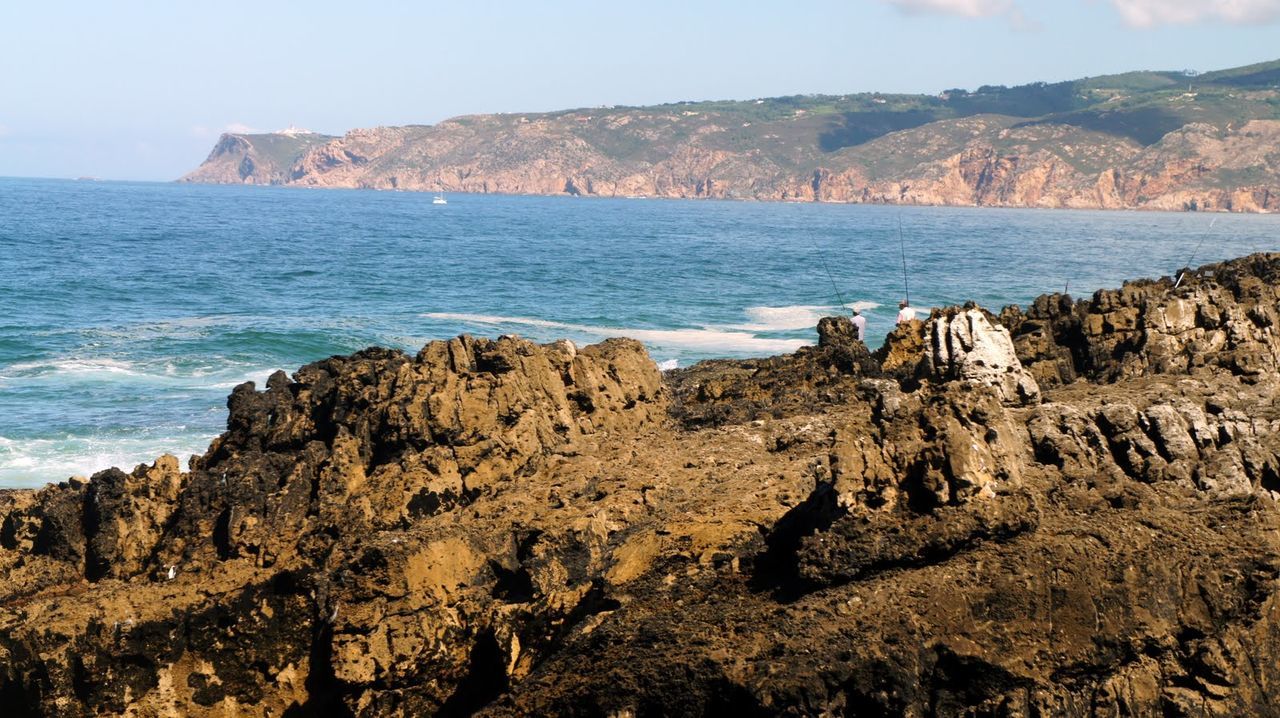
<point x="135" y="91"/>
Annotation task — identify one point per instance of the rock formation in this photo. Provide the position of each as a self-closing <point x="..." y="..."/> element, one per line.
<point x="1221" y="317"/>
<point x="505" y="528"/>
<point x="966" y="346"/>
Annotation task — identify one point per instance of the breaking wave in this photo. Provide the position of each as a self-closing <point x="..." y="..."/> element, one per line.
<point x="203" y="375"/>
<point x="793" y="318"/>
<point x="706" y="339"/>
<point x="73" y="367"/>
<point x="33" y="462"/>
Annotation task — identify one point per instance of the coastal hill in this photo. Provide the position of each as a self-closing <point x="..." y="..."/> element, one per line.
<point x="1068" y="509"/>
<point x="1152" y="140"/>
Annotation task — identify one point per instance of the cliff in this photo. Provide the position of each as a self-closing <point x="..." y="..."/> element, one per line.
<point x="255" y="159"/>
<point x="1152" y="140"/>
<point x="1068" y="509"/>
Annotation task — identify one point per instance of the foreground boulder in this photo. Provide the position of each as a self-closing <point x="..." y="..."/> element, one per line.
<point x="974" y="521"/>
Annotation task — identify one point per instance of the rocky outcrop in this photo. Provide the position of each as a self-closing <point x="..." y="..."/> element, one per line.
<point x="1220" y="316"/>
<point x="255" y="580"/>
<point x="505" y="528"/>
<point x="712" y="393"/>
<point x="965" y="345"/>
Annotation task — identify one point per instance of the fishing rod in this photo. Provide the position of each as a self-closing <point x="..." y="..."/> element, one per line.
<point x="1195" y="251"/>
<point x="823" y="259"/>
<point x="902" y="244"/>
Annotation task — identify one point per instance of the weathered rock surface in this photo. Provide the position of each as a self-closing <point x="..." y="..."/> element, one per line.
<point x="506" y="528"/>
<point x="965" y="345"/>
<point x="1222" y="317"/>
<point x="716" y="392"/>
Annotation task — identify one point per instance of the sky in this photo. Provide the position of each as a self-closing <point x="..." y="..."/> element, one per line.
<point x="141" y="90"/>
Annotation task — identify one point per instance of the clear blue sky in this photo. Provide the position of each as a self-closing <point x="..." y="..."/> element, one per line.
<point x="140" y="90"/>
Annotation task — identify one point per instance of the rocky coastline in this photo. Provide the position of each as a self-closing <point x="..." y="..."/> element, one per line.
<point x="1067" y="509"/>
<point x="995" y="163"/>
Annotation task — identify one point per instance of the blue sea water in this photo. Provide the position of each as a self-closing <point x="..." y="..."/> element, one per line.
<point x="128" y="311"/>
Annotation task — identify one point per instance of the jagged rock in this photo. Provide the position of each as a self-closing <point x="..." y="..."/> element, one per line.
<point x="837" y="331"/>
<point x="938" y="472"/>
<point x="505" y="528"/>
<point x="126" y="514"/>
<point x="1050" y="363"/>
<point x="964" y="345"/>
<point x="840" y="348"/>
<point x="1220" y="316"/>
<point x="903" y="351"/>
<point x="715" y="392"/>
<point x="294" y="495"/>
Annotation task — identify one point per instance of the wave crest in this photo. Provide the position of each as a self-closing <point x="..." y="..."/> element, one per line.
<point x="203" y="375"/>
<point x="706" y="339"/>
<point x="794" y="317"/>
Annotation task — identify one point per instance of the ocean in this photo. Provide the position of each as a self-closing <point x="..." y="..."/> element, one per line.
<point x="128" y="311"/>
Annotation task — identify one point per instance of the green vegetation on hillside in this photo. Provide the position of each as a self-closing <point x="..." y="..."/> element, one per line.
<point x="1138" y="106"/>
<point x="283" y="150"/>
<point x="1091" y="124"/>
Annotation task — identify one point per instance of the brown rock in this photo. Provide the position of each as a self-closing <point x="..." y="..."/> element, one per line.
<point x="506" y="528"/>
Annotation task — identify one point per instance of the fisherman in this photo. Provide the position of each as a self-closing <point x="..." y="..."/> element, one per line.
<point x="860" y="324"/>
<point x="905" y="312"/>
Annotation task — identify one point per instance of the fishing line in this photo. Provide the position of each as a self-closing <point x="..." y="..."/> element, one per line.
<point x="901" y="243"/>
<point x="823" y="259"/>
<point x="1195" y="251"/>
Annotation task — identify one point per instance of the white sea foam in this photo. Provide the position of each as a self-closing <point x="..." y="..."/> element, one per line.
<point x="774" y="319"/>
<point x="257" y="376"/>
<point x="180" y="328"/>
<point x="159" y="371"/>
<point x="33" y="462"/>
<point x="705" y="339"/>
<point x="792" y="318"/>
<point x="669" y="364"/>
<point x="711" y="340"/>
<point x="71" y="366"/>
<point x="496" y="319"/>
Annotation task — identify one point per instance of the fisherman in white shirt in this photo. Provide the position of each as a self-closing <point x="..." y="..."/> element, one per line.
<point x="905" y="312"/>
<point x="860" y="324"/>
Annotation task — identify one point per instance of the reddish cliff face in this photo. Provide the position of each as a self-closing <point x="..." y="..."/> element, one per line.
<point x="1069" y="510"/>
<point x="254" y="159"/>
<point x="1157" y="140"/>
<point x="987" y="160"/>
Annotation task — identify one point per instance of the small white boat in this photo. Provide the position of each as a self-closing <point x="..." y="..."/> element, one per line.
<point x="439" y="199"/>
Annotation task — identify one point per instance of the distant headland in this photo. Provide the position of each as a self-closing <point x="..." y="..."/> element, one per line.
<point x="1175" y="140"/>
